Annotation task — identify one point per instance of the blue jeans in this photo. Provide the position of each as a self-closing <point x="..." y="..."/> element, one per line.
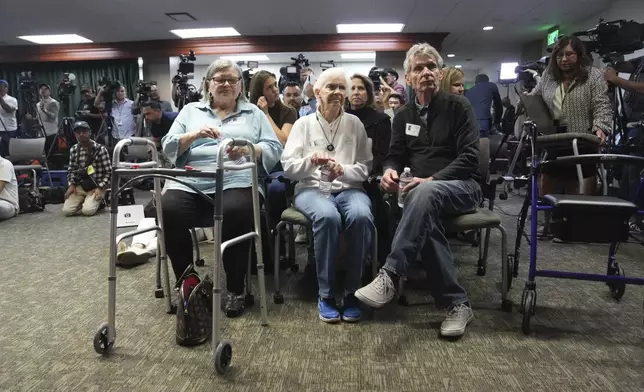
<point x="421" y="230"/>
<point x="349" y="210"/>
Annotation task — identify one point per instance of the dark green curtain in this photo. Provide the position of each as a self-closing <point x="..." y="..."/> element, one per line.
<point x="88" y="73"/>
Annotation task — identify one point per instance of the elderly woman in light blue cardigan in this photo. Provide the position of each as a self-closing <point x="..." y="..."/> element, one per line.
<point x="193" y="141"/>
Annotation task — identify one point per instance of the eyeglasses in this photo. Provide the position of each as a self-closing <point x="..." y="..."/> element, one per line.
<point x="223" y="81"/>
<point x="568" y="55"/>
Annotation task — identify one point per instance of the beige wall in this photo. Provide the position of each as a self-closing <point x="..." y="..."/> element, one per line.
<point x="158" y="69"/>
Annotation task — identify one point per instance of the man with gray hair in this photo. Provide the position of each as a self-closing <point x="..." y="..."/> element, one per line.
<point x="436" y="136"/>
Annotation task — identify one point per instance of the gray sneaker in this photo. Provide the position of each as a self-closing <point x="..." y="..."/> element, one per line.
<point x="377" y="293"/>
<point x="456" y="320"/>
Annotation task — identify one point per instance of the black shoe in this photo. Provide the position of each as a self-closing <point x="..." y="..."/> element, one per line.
<point x="233" y="305"/>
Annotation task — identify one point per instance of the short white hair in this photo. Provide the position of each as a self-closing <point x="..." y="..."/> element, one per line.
<point x="423" y="49"/>
<point x="331" y="73"/>
<point x="218" y="66"/>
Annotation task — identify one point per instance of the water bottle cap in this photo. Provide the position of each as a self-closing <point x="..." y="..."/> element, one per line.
<point x="407" y="170"/>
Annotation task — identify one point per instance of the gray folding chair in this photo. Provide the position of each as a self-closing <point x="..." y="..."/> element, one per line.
<point x="23" y="150"/>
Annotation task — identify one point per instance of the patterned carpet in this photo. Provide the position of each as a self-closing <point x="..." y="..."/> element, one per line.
<point x="54" y="295"/>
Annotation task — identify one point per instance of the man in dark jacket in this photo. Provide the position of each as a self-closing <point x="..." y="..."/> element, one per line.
<point x="436" y="136"/>
<point x="484" y="97"/>
<point x="378" y="127"/>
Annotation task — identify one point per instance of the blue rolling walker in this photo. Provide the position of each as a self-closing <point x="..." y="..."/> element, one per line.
<point x="576" y="218"/>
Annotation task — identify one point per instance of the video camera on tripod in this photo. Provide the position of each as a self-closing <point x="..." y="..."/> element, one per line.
<point x="291" y="73"/>
<point x="612" y="40"/>
<point x="375" y="74"/>
<point x="67" y="87"/>
<point x="143" y="89"/>
<point x="186" y="92"/>
<point x="528" y="78"/>
<point x="247" y="74"/>
<point x="109" y="88"/>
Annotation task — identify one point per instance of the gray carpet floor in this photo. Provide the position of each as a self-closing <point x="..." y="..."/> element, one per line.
<point x="53" y="295"/>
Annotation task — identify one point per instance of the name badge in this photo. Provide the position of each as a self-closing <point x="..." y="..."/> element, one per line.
<point x="90" y="170"/>
<point x="237" y="121"/>
<point x="412" y="130"/>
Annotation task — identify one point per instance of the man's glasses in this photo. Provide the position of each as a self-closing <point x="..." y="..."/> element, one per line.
<point x="223" y="81"/>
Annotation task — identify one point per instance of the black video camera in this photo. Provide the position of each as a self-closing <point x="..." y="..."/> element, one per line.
<point x="291" y="73"/>
<point x="375" y="74"/>
<point x="529" y="82"/>
<point x="27" y="82"/>
<point x="186" y="67"/>
<point x="66" y="87"/>
<point x="143" y="89"/>
<point x="612" y="40"/>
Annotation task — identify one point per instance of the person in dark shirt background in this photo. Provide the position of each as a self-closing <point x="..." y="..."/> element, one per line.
<point x="507" y="121"/>
<point x="159" y="120"/>
<point x="483" y="95"/>
<point x="88" y="112"/>
<point x="436" y="136"/>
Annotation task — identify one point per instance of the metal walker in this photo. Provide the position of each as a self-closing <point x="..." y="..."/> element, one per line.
<point x="105" y="335"/>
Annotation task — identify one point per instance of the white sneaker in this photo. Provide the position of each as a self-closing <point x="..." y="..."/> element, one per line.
<point x="379" y="292"/>
<point x="136" y="254"/>
<point x="456" y="320"/>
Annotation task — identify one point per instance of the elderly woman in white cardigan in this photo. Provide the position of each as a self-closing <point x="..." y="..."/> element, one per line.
<point x="337" y="142"/>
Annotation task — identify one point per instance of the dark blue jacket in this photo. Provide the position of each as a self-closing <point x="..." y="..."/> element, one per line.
<point x="482" y="96"/>
<point x="161" y="129"/>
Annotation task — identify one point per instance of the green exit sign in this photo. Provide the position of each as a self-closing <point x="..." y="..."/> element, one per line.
<point x="552" y="37"/>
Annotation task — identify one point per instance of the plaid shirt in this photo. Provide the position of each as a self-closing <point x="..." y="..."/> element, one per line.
<point x="102" y="164"/>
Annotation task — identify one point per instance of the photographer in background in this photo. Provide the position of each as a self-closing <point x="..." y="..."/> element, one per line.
<point x="124" y="124"/>
<point x="634" y="86"/>
<point x="48" y="109"/>
<point x="8" y="123"/>
<point x="87" y="112"/>
<point x="148" y="91"/>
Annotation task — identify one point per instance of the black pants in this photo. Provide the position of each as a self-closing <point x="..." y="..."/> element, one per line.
<point x="183" y="211"/>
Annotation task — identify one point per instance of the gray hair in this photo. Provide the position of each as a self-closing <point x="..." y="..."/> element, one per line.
<point x="423" y="49"/>
<point x="218" y="66"/>
<point x="328" y="74"/>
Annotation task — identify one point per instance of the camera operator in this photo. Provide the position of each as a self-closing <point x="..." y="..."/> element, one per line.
<point x="160" y="120"/>
<point x="48" y="109"/>
<point x="8" y="123"/>
<point x="124" y="124"/>
<point x="152" y="92"/>
<point x="634" y="86"/>
<point x="87" y="112"/>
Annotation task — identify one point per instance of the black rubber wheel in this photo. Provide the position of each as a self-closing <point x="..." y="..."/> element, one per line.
<point x="510" y="263"/>
<point x="173" y="309"/>
<point x="503" y="196"/>
<point x="101" y="344"/>
<point x="528" y="306"/>
<point x="249" y="300"/>
<point x="617" y="290"/>
<point x="506" y="306"/>
<point x="158" y="293"/>
<point x="278" y="298"/>
<point x="223" y="357"/>
<point x="200" y="262"/>
<point x="295" y="268"/>
<point x="402" y="300"/>
<point x="481" y="270"/>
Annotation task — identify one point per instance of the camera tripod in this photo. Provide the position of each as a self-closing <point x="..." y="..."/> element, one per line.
<point x="65" y="128"/>
<point x="31" y="121"/>
<point x="105" y="131"/>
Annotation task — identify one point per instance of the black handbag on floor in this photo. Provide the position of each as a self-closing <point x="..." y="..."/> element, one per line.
<point x="194" y="311"/>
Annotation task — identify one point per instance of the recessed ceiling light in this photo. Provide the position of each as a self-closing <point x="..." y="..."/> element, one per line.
<point x="369" y="28"/>
<point x="451" y="55"/>
<point x="56" y="39"/>
<point x="486" y="28"/>
<point x="250" y="57"/>
<point x="458" y="66"/>
<point x="358" y="56"/>
<point x="204" y="33"/>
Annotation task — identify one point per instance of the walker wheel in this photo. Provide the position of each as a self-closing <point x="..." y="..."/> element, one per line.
<point x="503" y="196"/>
<point x="158" y="293"/>
<point x="223" y="357"/>
<point x="249" y="300"/>
<point x="295" y="268"/>
<point x="101" y="343"/>
<point x="402" y="300"/>
<point x="528" y="307"/>
<point x="200" y="262"/>
<point x="480" y="269"/>
<point x="617" y="289"/>
<point x="278" y="298"/>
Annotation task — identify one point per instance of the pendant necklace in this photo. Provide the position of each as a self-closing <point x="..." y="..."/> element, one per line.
<point x="330" y="147"/>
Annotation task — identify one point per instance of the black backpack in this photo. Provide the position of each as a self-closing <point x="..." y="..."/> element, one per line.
<point x="30" y="200"/>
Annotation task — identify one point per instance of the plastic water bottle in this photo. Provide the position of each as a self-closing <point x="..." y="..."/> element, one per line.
<point x="325" y="184"/>
<point x="405" y="179"/>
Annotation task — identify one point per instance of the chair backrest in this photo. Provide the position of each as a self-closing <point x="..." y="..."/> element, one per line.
<point x="26" y="149"/>
<point x="484" y="159"/>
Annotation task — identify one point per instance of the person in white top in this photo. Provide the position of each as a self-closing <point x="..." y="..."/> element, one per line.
<point x="48" y="109"/>
<point x="8" y="123"/>
<point x="338" y="142"/>
<point x="8" y="190"/>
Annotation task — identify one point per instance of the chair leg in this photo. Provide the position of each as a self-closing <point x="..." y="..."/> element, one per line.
<point x="402" y="298"/>
<point x="278" y="297"/>
<point x="506" y="274"/>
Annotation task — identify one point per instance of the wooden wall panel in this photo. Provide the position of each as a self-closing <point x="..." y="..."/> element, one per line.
<point x="233" y="45"/>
